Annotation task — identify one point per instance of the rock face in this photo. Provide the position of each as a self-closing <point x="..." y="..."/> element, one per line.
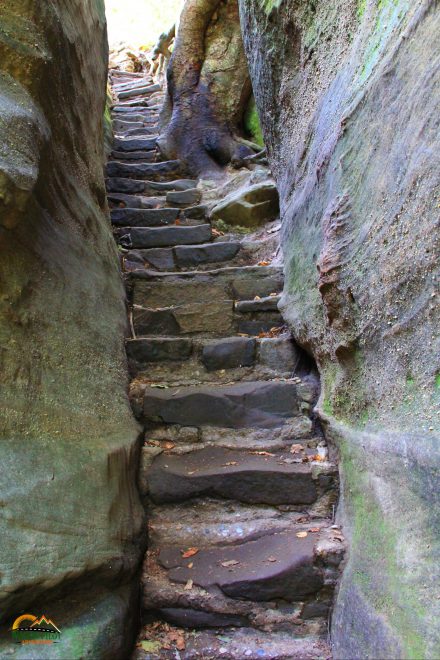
<point x="348" y="94"/>
<point x="250" y="207"/>
<point x="70" y="508"/>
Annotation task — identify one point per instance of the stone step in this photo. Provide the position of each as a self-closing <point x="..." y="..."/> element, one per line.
<point x="265" y="356"/>
<point x="128" y="217"/>
<point x="130" y="109"/>
<point x="166" y="170"/>
<point x="135" y="144"/>
<point x="145" y="131"/>
<point x="243" y="644"/>
<point x="190" y="256"/>
<point x="131" y="186"/>
<point x="134" y="156"/>
<point x="119" y="126"/>
<point x="231" y="284"/>
<point x="121" y="200"/>
<point x="189" y="197"/>
<point x="252" y="404"/>
<point x="139" y="237"/>
<point x="138" y="91"/>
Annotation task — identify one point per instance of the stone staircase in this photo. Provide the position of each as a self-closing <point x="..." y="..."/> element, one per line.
<point x="237" y="480"/>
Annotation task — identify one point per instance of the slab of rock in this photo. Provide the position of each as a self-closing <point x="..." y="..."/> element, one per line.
<point x="122" y="200"/>
<point x="254" y="576"/>
<point x="137" y="91"/>
<point x="166" y="236"/>
<point x="241" y="476"/>
<point x="190" y="618"/>
<point x="160" y="258"/>
<point x="144" y="351"/>
<point x="266" y="304"/>
<point x="249" y="208"/>
<point x="196" y="212"/>
<point x="178" y="184"/>
<point x="166" y="170"/>
<point x="135" y="144"/>
<point x="188" y="197"/>
<point x="146" y="130"/>
<point x="134" y="156"/>
<point x="143" y="217"/>
<point x="278" y="353"/>
<point x="263" y="404"/>
<point x="119" y="125"/>
<point x="216" y="318"/>
<point x="229" y="353"/>
<point x="209" y="253"/>
<point x="263" y="323"/>
<point x="155" y="322"/>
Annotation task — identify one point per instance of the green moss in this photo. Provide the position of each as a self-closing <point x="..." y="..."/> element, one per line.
<point x="222" y="226"/>
<point x="375" y="543"/>
<point x="361" y="7"/>
<point x="437" y="381"/>
<point x="252" y="124"/>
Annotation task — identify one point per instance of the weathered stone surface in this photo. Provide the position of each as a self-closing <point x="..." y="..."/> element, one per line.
<point x="165" y="236"/>
<point x="143" y="217"/>
<point x="160" y="258"/>
<point x="278" y="353"/>
<point x="232" y="475"/>
<point x="263" y="322"/>
<point x="120" y="184"/>
<point x="188" y="197"/>
<point x="134" y="156"/>
<point x="198" y="317"/>
<point x="154" y="171"/>
<point x="121" y="126"/>
<point x="143" y="351"/>
<point x="251" y="404"/>
<point x="70" y="509"/>
<point x="122" y="200"/>
<point x="355" y="156"/>
<point x="188" y="618"/>
<point x="267" y="304"/>
<point x="192" y="255"/>
<point x="155" y="322"/>
<point x="134" y="144"/>
<point x="229" y="353"/>
<point x="137" y="91"/>
<point x="291" y="576"/>
<point x="249" y="208"/>
<point x="196" y="212"/>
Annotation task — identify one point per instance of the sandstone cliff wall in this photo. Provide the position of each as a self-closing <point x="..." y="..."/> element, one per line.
<point x="70" y="516"/>
<point x="348" y="92"/>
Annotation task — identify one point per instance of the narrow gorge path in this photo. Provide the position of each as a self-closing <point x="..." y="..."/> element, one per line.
<point x="243" y="556"/>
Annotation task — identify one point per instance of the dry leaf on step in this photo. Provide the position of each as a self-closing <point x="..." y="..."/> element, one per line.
<point x="189" y="553"/>
<point x="301" y="535"/>
<point x="296" y="449"/>
<point x="189" y="585"/>
<point x="190" y="565"/>
<point x="257" y="298"/>
<point x="264" y="263"/>
<point x="231" y="562"/>
<point x="272" y="559"/>
<point x="230" y="463"/>
<point x="262" y="453"/>
<point x="314" y="530"/>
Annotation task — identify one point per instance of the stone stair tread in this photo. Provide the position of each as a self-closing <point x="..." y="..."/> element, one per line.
<point x="129" y="217"/>
<point x="243" y="644"/>
<point x="166" y="169"/>
<point x="146" y="237"/>
<point x="134" y="156"/>
<point x="265" y="304"/>
<point x="276" y="566"/>
<point x="124" y="185"/>
<point x="121" y="200"/>
<point x="242" y="476"/>
<point x="186" y="256"/>
<point x="135" y="144"/>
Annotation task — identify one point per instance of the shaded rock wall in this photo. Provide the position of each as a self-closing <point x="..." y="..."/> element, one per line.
<point x="69" y="504"/>
<point x="348" y="93"/>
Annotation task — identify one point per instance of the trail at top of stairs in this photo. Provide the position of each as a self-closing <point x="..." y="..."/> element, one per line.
<point x="237" y="480"/>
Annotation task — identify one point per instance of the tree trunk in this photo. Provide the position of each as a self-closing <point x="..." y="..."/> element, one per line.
<point x="208" y="88"/>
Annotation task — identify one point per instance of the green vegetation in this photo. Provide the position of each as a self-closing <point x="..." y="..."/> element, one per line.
<point x="252" y="123"/>
<point x="222" y="226"/>
<point x="362" y="5"/>
<point x="139" y="22"/>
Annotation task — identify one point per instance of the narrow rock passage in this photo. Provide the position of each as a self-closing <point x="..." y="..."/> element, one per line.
<point x="239" y="489"/>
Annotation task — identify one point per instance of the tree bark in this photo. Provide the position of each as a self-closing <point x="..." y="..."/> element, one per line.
<point x="208" y="88"/>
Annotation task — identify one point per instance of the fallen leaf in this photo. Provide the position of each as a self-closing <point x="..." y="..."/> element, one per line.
<point x="231" y="562"/>
<point x="191" y="565"/>
<point x="189" y="585"/>
<point x="272" y="559"/>
<point x="296" y="449"/>
<point x="264" y="263"/>
<point x="314" y="529"/>
<point x="169" y="445"/>
<point x="147" y="645"/>
<point x="262" y="453"/>
<point x="177" y="222"/>
<point x="273" y="295"/>
<point x="217" y="233"/>
<point x="189" y="553"/>
<point x="180" y="644"/>
<point x="301" y="535"/>
<point x="257" y="298"/>
<point x="230" y="463"/>
<point x="159" y="386"/>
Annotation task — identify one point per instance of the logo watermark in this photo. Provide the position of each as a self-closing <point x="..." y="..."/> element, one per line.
<point x="30" y="629"/>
